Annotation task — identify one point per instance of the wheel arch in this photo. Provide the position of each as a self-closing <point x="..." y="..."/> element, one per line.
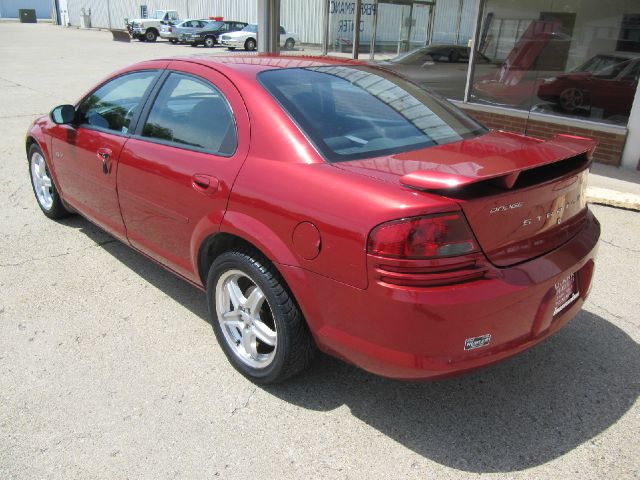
<point x="232" y="238"/>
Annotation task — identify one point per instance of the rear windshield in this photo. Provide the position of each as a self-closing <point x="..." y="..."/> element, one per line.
<point x="354" y="112"/>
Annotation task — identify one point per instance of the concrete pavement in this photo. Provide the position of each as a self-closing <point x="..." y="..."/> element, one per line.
<point x="615" y="187"/>
<point x="109" y="368"/>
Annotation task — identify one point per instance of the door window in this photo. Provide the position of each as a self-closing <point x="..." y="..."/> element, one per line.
<point x="114" y="104"/>
<point x="186" y="25"/>
<point x="192" y="113"/>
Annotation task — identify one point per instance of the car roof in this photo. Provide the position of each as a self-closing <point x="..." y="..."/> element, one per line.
<point x="626" y="55"/>
<point x="243" y="64"/>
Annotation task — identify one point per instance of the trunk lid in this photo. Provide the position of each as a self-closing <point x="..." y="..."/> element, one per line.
<point x="522" y="196"/>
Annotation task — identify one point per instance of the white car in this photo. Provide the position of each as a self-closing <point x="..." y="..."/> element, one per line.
<point x="247" y="38"/>
<point x="178" y="32"/>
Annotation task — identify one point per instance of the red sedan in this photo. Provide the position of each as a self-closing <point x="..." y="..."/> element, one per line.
<point x="328" y="204"/>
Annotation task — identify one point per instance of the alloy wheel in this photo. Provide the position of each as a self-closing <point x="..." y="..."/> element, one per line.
<point x="246" y="319"/>
<point x="41" y="180"/>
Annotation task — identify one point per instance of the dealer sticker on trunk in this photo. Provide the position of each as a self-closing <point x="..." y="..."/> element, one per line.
<point x="477" y="342"/>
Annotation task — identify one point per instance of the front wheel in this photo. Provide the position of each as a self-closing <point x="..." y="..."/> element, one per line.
<point x="256" y="319"/>
<point x="250" y="44"/>
<point x="44" y="189"/>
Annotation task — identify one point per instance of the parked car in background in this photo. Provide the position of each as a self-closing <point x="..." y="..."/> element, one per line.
<point x="442" y="68"/>
<point x="326" y="203"/>
<point x="209" y="35"/>
<point x="173" y="33"/>
<point x="187" y="28"/>
<point x="148" y="29"/>
<point x="247" y="38"/>
<point x="606" y="81"/>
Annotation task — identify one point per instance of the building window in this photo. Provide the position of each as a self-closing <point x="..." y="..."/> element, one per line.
<point x="576" y="58"/>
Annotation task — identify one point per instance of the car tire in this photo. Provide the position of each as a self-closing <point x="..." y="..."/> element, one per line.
<point x="150" y="35"/>
<point x="194" y="44"/>
<point x="173" y="41"/>
<point x="43" y="187"/>
<point x="290" y="44"/>
<point x="250" y="44"/>
<point x="572" y="99"/>
<point x="231" y="48"/>
<point x="268" y="339"/>
<point x="209" y="42"/>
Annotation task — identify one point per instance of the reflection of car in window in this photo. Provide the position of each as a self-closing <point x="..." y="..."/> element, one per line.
<point x="604" y="87"/>
<point x="442" y="68"/>
<point x="535" y="56"/>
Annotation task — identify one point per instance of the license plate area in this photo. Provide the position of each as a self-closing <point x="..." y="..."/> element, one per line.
<point x="566" y="293"/>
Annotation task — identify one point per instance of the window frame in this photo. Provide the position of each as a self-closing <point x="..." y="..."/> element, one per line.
<point x="151" y="100"/>
<point x="133" y="124"/>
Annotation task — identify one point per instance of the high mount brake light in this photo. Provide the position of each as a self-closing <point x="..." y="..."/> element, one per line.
<point x="433" y="236"/>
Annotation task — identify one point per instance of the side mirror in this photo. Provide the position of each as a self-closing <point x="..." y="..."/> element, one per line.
<point x="63" y="114"/>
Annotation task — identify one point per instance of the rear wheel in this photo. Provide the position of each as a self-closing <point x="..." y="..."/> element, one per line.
<point x="231" y="48"/>
<point x="571" y="99"/>
<point x="150" y="35"/>
<point x="250" y="44"/>
<point x="173" y="40"/>
<point x="209" y="42"/>
<point x="289" y="44"/>
<point x="43" y="187"/>
<point x="255" y="318"/>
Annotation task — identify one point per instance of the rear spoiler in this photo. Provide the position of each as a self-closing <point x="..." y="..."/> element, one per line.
<point x="506" y="169"/>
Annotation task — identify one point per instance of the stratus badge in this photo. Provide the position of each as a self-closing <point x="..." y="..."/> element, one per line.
<point x="477" y="342"/>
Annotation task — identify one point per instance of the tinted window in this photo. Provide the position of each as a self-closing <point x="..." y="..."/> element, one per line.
<point x="360" y="112"/>
<point x="192" y="113"/>
<point x="282" y="31"/>
<point x="113" y="105"/>
<point x="185" y="24"/>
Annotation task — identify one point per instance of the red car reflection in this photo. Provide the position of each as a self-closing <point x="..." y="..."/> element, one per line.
<point x="328" y="204"/>
<point x="606" y="82"/>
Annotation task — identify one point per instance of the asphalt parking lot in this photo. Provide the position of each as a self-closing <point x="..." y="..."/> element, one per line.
<point x="109" y="368"/>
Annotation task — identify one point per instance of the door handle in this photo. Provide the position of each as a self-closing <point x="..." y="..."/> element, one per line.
<point x="104" y="154"/>
<point x="205" y="183"/>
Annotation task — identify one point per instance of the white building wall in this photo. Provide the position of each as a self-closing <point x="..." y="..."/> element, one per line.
<point x="301" y="16"/>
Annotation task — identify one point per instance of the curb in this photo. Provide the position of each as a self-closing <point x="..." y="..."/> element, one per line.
<point x="612" y="198"/>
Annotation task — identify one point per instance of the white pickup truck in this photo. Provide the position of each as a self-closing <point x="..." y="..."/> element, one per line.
<point x="148" y="29"/>
<point x="247" y="38"/>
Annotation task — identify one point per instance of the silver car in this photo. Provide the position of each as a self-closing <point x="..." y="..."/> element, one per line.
<point x="178" y="32"/>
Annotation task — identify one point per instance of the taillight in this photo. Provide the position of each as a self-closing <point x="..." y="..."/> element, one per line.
<point x="433" y="236"/>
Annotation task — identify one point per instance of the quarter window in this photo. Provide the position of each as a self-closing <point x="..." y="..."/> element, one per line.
<point x="113" y="105"/>
<point x="192" y="113"/>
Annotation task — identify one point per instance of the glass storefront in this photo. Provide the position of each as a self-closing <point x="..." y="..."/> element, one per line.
<point x="578" y="58"/>
<point x="570" y="58"/>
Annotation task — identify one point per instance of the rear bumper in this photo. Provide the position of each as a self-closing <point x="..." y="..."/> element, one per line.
<point x="419" y="333"/>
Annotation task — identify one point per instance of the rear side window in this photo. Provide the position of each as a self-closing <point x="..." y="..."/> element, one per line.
<point x="192" y="113"/>
<point x="358" y="112"/>
<point x="114" y="104"/>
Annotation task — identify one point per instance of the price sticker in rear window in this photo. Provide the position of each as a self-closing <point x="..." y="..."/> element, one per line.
<point x="566" y="293"/>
